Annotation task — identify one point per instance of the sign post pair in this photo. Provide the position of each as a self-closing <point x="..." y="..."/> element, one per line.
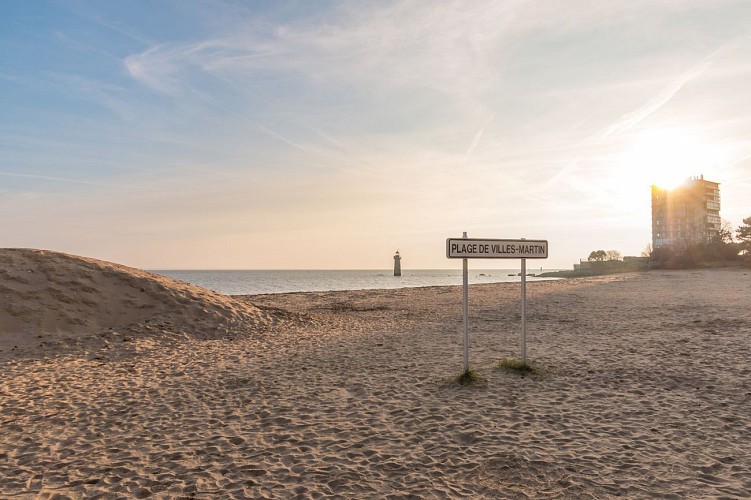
<point x="473" y="248"/>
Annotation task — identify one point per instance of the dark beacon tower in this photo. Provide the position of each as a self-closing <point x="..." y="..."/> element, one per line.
<point x="397" y="264"/>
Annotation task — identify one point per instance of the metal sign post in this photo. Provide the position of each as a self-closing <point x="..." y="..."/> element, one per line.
<point x="524" y="312"/>
<point x="465" y="308"/>
<point x="466" y="248"/>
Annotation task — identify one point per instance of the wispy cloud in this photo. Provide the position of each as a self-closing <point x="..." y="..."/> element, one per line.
<point x="66" y="180"/>
<point x="444" y="47"/>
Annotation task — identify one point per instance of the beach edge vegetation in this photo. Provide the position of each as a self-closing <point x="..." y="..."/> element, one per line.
<point x="470" y="377"/>
<point x="515" y="365"/>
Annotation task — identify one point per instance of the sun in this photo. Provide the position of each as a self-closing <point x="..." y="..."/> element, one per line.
<point x="666" y="157"/>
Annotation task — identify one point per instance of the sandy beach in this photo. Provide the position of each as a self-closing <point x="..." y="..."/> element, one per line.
<point x="116" y="383"/>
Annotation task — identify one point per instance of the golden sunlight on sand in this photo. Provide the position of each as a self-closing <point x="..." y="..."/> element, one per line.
<point x="116" y="382"/>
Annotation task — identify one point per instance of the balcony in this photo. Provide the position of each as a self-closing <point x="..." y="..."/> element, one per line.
<point x="711" y="205"/>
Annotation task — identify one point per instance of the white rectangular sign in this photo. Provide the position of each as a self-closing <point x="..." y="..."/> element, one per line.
<point x="471" y="248"/>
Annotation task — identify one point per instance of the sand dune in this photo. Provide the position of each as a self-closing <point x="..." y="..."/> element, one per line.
<point x="643" y="391"/>
<point x="48" y="296"/>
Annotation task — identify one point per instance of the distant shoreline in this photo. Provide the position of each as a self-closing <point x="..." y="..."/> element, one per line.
<point x="252" y="282"/>
<point x="606" y="268"/>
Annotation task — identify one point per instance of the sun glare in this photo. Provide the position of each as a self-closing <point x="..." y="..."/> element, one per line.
<point x="666" y="158"/>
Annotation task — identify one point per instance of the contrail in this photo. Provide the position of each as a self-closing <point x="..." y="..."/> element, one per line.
<point x="632" y="119"/>
<point x="476" y="140"/>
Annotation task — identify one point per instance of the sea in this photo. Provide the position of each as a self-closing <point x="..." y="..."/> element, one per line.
<point x="262" y="282"/>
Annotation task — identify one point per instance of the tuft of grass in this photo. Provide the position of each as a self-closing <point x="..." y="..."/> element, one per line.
<point x="516" y="366"/>
<point x="470" y="377"/>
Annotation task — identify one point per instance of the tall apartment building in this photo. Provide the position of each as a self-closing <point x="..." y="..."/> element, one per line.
<point x="689" y="213"/>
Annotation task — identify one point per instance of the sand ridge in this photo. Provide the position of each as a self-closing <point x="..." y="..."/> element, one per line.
<point x="644" y="391"/>
<point x="48" y="296"/>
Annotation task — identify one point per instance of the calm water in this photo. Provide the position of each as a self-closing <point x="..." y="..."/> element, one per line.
<point x="256" y="282"/>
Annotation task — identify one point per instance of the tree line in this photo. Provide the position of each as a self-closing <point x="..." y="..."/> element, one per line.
<point x="724" y="246"/>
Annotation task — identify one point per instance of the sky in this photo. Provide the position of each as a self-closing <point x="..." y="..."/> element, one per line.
<point x="195" y="134"/>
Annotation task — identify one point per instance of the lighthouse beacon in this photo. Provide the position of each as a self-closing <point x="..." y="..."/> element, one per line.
<point x="397" y="264"/>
